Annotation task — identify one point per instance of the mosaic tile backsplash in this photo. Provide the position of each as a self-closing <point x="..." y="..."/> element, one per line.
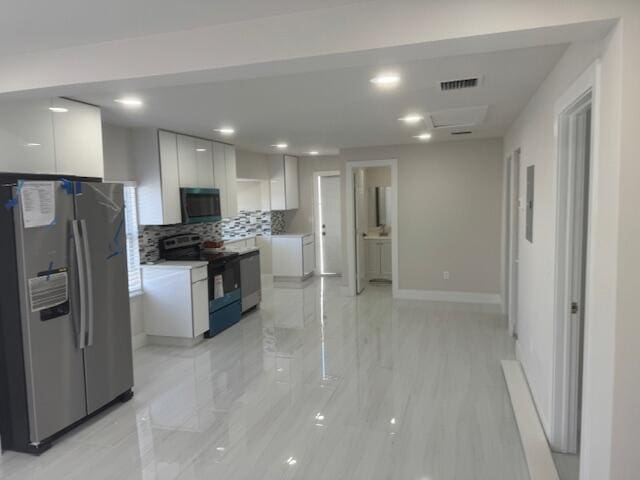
<point x="247" y="223"/>
<point x="278" y="224"/>
<point x="255" y="222"/>
<point x="149" y="236"/>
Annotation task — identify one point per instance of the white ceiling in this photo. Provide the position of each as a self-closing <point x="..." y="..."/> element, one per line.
<point x="33" y="25"/>
<point x="331" y="109"/>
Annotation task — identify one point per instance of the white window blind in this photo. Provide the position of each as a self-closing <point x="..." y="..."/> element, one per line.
<point x="133" y="248"/>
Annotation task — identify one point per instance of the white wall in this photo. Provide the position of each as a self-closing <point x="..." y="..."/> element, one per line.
<point x="118" y="158"/>
<point x="533" y="132"/>
<point x="449" y="213"/>
<point x="251" y="165"/>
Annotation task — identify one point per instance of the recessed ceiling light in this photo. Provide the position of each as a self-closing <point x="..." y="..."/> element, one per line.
<point x="280" y="145"/>
<point x="291" y="461"/>
<point x="225" y="130"/>
<point x="313" y="152"/>
<point x="59" y="109"/>
<point x="386" y="80"/>
<point x="201" y="149"/>
<point x="412" y="119"/>
<point x="423" y="136"/>
<point x="32" y="144"/>
<point x="130" y="102"/>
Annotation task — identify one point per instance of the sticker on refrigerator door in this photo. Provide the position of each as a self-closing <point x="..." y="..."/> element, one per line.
<point x="49" y="289"/>
<point x="38" y="203"/>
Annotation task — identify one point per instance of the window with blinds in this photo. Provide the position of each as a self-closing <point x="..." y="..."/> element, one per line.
<point x="133" y="249"/>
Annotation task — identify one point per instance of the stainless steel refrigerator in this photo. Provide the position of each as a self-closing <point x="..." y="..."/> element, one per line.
<point x="64" y="308"/>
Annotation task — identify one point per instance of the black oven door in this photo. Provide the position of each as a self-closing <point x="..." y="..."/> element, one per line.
<point x="229" y="270"/>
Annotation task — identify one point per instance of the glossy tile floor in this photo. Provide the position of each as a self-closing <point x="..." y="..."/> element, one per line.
<point x="312" y="385"/>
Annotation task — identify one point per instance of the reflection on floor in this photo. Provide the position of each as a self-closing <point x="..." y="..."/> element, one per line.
<point x="568" y="466"/>
<point x="312" y="385"/>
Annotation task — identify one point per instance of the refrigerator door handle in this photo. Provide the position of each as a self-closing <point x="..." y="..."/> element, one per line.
<point x="81" y="283"/>
<point x="89" y="279"/>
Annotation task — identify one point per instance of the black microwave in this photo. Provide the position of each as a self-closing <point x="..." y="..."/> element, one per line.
<point x="200" y="205"/>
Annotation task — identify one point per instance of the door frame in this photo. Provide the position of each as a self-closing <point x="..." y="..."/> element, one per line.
<point x="316" y="214"/>
<point x="566" y="339"/>
<point x="514" y="169"/>
<point x="350" y="233"/>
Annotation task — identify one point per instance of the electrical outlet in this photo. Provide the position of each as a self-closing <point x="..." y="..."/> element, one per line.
<point x="446" y="275"/>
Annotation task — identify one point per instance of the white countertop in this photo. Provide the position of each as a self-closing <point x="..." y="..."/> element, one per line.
<point x="376" y="236"/>
<point x="292" y="235"/>
<point x="239" y="239"/>
<point x="187" y="265"/>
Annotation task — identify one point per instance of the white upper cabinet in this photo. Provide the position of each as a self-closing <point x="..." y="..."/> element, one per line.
<point x="156" y="160"/>
<point x="187" y="162"/>
<point x="33" y="139"/>
<point x="167" y="161"/>
<point x="291" y="182"/>
<point x="284" y="182"/>
<point x="78" y="139"/>
<point x="170" y="176"/>
<point x="220" y="174"/>
<point x="278" y="199"/>
<point x="232" y="181"/>
<point x="26" y="137"/>
<point x="224" y="173"/>
<point x="204" y="163"/>
<point x="195" y="162"/>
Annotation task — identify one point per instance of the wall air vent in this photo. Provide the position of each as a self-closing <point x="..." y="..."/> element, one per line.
<point x="464" y="132"/>
<point x="459" y="84"/>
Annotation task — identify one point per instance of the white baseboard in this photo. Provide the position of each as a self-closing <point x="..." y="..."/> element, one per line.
<point x="534" y="442"/>
<point x="139" y="341"/>
<point x="445" y="296"/>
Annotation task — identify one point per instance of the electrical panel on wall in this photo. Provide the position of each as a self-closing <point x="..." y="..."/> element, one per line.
<point x="529" y="206"/>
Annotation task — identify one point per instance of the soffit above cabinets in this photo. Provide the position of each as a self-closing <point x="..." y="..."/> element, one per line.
<point x="457" y="117"/>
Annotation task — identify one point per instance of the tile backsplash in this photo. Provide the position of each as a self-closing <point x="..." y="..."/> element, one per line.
<point x="278" y="223"/>
<point x="258" y="222"/>
<point x="149" y="236"/>
<point x="254" y="222"/>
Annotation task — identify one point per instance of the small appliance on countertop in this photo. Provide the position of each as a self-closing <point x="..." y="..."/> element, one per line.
<point x="225" y="298"/>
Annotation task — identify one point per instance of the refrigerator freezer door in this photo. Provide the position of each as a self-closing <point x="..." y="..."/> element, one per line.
<point x="108" y="355"/>
<point x="53" y="361"/>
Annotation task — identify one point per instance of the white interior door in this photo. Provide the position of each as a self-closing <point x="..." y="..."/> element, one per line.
<point x="579" y="208"/>
<point x="360" y="206"/>
<point x="514" y="242"/>
<point x="329" y="228"/>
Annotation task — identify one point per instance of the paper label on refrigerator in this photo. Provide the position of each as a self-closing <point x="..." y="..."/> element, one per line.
<point x="38" y="203"/>
<point x="218" y="287"/>
<point x="48" y="290"/>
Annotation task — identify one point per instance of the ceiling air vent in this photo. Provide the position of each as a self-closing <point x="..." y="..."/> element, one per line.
<point x="459" y="119"/>
<point x="459" y="84"/>
<point x="464" y="132"/>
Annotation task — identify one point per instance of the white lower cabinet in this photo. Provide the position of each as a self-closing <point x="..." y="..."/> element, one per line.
<point x="379" y="263"/>
<point x="308" y="256"/>
<point x="176" y="301"/>
<point x="293" y="256"/>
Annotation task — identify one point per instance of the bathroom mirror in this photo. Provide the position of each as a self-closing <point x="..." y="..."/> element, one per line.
<point x="379" y="206"/>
